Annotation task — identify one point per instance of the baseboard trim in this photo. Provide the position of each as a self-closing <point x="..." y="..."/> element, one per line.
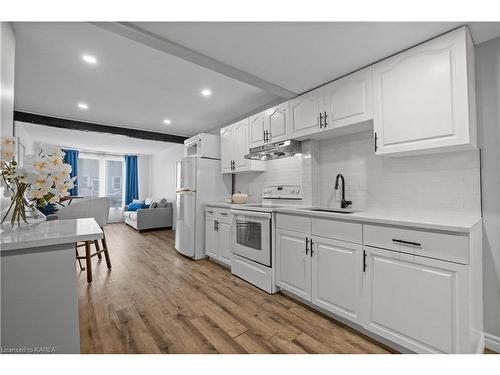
<point x="481" y="345"/>
<point x="492" y="342"/>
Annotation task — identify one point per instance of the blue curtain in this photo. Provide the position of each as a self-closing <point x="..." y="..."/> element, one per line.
<point x="71" y="158"/>
<point x="131" y="179"/>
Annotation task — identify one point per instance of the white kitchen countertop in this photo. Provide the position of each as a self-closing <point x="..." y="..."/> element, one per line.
<point x="224" y="205"/>
<point x="47" y="233"/>
<point x="219" y="204"/>
<point x="416" y="219"/>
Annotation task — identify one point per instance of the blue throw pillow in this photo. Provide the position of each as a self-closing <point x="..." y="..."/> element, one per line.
<point x="136" y="206"/>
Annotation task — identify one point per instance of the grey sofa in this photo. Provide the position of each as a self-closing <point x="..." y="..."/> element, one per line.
<point x="152" y="217"/>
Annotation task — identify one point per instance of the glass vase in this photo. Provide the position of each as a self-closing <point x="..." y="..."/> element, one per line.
<point x="19" y="212"/>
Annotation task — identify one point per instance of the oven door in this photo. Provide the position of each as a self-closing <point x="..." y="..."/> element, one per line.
<point x="252" y="236"/>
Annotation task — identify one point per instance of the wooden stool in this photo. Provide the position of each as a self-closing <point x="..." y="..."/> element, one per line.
<point x="89" y="255"/>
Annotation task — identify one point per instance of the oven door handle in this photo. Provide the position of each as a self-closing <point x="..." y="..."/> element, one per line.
<point x="245" y="213"/>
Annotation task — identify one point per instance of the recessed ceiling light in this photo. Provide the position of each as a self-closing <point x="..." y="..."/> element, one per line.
<point x="167" y="121"/>
<point x="89" y="59"/>
<point x="83" y="106"/>
<point x="206" y="92"/>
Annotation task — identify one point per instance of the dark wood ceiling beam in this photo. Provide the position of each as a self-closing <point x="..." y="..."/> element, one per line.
<point x="62" y="123"/>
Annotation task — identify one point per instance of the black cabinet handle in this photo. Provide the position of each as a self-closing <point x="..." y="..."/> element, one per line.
<point x="320" y="120"/>
<point x="375" y="141"/>
<point x="326" y="116"/>
<point x="364" y="261"/>
<point x="311" y="243"/>
<point x="223" y="214"/>
<point x="307" y="245"/>
<point x="406" y="242"/>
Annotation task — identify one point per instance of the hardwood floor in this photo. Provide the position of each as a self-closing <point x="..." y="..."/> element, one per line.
<point x="154" y="300"/>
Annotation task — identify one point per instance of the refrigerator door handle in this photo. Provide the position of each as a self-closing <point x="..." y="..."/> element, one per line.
<point x="185" y="190"/>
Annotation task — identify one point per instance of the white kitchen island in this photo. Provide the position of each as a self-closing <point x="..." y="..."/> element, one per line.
<point x="39" y="298"/>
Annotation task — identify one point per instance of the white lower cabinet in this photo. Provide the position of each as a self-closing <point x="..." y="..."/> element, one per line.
<point x="211" y="240"/>
<point x="413" y="301"/>
<point x="224" y="242"/>
<point x="293" y="272"/>
<point x="324" y="271"/>
<point x="419" y="289"/>
<point x="337" y="267"/>
<point x="218" y="224"/>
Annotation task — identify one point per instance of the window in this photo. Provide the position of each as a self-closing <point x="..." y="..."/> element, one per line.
<point x="101" y="175"/>
<point x="117" y="182"/>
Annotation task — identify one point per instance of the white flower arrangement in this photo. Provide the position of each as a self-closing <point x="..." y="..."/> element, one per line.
<point x="44" y="179"/>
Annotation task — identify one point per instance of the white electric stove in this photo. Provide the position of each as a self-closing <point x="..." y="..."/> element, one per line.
<point x="253" y="237"/>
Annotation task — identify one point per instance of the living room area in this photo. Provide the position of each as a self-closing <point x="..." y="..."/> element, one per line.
<point x="136" y="175"/>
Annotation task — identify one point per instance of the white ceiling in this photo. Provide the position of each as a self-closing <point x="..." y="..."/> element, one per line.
<point x="90" y="141"/>
<point x="136" y="86"/>
<point x="300" y="56"/>
<point x="132" y="85"/>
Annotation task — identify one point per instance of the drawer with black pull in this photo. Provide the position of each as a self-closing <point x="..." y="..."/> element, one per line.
<point x="438" y="245"/>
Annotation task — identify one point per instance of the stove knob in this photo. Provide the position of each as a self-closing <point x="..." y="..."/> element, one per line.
<point x="297" y="190"/>
<point x="292" y="190"/>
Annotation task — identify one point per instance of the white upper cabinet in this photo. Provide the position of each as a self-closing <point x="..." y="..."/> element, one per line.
<point x="349" y="100"/>
<point x="278" y="122"/>
<point x="227" y="149"/>
<point x="234" y="147"/>
<point x="269" y="126"/>
<point x="424" y="97"/>
<point x="241" y="147"/>
<point x="257" y="129"/>
<point x="305" y="112"/>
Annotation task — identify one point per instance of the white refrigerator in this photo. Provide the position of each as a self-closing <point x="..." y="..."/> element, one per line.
<point x="199" y="181"/>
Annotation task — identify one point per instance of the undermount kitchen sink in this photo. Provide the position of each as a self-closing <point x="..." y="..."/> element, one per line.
<point x="332" y="210"/>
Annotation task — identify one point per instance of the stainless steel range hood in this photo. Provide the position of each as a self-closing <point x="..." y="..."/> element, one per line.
<point x="277" y="150"/>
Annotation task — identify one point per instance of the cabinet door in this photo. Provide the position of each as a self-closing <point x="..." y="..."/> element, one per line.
<point x="349" y="100"/>
<point x="256" y="127"/>
<point x="293" y="265"/>
<point x="225" y="240"/>
<point x="337" y="269"/>
<point x="211" y="240"/>
<point x="305" y="111"/>
<point x="240" y="144"/>
<point x="422" y="96"/>
<point x="278" y="120"/>
<point x="227" y="148"/>
<point x="413" y="300"/>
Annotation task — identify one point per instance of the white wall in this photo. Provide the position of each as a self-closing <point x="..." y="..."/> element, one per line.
<point x="7" y="58"/>
<point x="163" y="166"/>
<point x="445" y="182"/>
<point x="488" y="108"/>
<point x="281" y="171"/>
<point x="436" y="182"/>
<point x="24" y="137"/>
<point x="144" y="175"/>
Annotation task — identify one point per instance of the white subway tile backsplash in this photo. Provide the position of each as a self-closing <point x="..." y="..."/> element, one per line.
<point x="442" y="181"/>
